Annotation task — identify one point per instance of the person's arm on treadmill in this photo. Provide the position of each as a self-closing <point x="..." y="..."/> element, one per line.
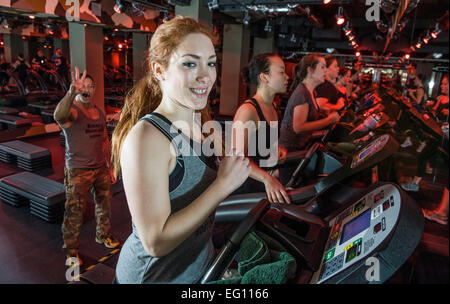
<point x="301" y="125"/>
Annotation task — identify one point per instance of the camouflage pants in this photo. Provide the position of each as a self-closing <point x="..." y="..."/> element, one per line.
<point x="78" y="182"/>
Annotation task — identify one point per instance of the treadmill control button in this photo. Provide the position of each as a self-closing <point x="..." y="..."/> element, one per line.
<point x="383" y="223"/>
<point x="386" y="205"/>
<point x="376" y="228"/>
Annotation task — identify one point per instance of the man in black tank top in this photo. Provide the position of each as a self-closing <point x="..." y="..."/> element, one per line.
<point x="87" y="164"/>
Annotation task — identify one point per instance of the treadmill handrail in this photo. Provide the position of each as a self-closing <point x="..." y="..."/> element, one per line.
<point x="225" y="256"/>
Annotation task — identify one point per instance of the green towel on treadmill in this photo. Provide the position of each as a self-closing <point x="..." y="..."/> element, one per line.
<point x="263" y="261"/>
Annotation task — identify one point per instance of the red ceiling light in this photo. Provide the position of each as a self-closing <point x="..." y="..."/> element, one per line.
<point x="412" y="48"/>
<point x="418" y="45"/>
<point x="351" y="37"/>
<point x="32" y="17"/>
<point x="358" y="54"/>
<point x="340" y="19"/>
<point x="120" y="45"/>
<point x="327" y="1"/>
<point x="434" y="34"/>
<point x="407" y="56"/>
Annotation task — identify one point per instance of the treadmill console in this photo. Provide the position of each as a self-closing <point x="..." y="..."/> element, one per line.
<point x="372" y="148"/>
<point x="357" y="231"/>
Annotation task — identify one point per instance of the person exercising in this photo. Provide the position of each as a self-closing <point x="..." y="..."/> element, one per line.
<point x="172" y="190"/>
<point x="267" y="71"/>
<point x="302" y="116"/>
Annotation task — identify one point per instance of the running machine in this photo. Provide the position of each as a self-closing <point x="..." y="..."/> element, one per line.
<point x="365" y="241"/>
<point x="235" y="207"/>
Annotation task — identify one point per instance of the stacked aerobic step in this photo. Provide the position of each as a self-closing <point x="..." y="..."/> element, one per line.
<point x="45" y="196"/>
<point x="27" y="156"/>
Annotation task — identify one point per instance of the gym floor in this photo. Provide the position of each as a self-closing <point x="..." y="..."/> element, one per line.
<point x="31" y="248"/>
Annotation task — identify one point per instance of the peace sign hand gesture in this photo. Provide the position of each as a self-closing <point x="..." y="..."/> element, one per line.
<point x="77" y="83"/>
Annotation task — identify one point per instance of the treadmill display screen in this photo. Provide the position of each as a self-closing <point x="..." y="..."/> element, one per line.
<point x="364" y="153"/>
<point x="355" y="226"/>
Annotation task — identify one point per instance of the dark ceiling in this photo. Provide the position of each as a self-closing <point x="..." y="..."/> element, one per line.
<point x="311" y="25"/>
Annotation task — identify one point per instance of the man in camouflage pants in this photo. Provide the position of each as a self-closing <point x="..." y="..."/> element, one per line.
<point x="87" y="164"/>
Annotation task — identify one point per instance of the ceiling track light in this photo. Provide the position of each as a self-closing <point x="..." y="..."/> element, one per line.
<point x="212" y="5"/>
<point x="267" y="27"/>
<point x="340" y="19"/>
<point x="293" y="38"/>
<point x="246" y="19"/>
<point x="434" y="34"/>
<point x="119" y="7"/>
<point x="166" y="16"/>
<point x="426" y="38"/>
<point x="5" y="24"/>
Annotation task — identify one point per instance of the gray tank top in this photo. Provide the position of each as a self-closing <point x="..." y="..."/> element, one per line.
<point x="187" y="263"/>
<point x="84" y="141"/>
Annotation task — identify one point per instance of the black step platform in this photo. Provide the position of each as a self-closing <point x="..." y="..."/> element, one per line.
<point x="8" y="111"/>
<point x="27" y="156"/>
<point x="38" y="107"/>
<point x="45" y="196"/>
<point x="11" y="122"/>
<point x="47" y="116"/>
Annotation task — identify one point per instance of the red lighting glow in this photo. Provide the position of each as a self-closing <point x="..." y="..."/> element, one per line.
<point x="407" y="56"/>
<point x="425" y="40"/>
<point x="326" y="1"/>
<point x="340" y="20"/>
<point x="434" y="35"/>
<point x="358" y="54"/>
<point x="418" y="45"/>
<point x="120" y="45"/>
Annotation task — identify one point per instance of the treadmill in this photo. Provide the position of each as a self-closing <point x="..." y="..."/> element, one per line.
<point x="364" y="242"/>
<point x="235" y="207"/>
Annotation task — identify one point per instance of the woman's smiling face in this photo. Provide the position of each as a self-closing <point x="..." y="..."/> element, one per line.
<point x="191" y="72"/>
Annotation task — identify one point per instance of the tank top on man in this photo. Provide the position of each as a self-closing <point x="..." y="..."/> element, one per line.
<point x="288" y="138"/>
<point x="84" y="141"/>
<point x="188" y="262"/>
